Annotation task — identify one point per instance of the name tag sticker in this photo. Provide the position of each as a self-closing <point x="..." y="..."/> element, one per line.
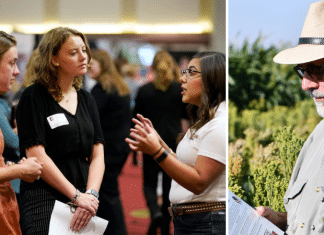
<point x="57" y="120"/>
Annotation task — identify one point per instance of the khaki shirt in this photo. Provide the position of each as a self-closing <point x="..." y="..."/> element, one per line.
<point x="304" y="198"/>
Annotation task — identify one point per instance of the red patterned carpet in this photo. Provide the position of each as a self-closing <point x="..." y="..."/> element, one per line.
<point x="137" y="216"/>
<point x="136" y="213"/>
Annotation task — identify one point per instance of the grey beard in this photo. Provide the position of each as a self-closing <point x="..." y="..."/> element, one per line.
<point x="319" y="105"/>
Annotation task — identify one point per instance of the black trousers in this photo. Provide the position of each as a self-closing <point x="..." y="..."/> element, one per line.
<point x="110" y="207"/>
<point x="150" y="173"/>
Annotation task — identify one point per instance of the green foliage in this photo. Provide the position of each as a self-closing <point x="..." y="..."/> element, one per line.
<point x="269" y="120"/>
<point x="234" y="187"/>
<point x="257" y="127"/>
<point x="234" y="127"/>
<point x="270" y="186"/>
<point x="289" y="147"/>
<point x="271" y="180"/>
<point x="256" y="82"/>
<point x="236" y="167"/>
<point x="263" y="154"/>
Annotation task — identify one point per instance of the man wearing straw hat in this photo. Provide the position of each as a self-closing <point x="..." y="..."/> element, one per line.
<point x="304" y="198"/>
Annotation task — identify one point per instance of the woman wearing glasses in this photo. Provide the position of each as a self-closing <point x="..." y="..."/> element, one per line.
<point x="160" y="101"/>
<point x="198" y="168"/>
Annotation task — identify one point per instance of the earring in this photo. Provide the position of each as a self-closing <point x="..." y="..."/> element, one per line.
<point x="57" y="64"/>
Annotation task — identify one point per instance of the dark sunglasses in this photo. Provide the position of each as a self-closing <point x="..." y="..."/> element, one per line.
<point x="317" y="71"/>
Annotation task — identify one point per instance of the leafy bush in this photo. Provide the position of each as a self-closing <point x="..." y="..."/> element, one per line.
<point x="257" y="127"/>
<point x="256" y="82"/>
<point x="260" y="175"/>
<point x="270" y="117"/>
<point x="271" y="180"/>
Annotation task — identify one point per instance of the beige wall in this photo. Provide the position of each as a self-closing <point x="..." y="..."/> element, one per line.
<point x="168" y="11"/>
<point x="90" y="11"/>
<point x="218" y="39"/>
<point x="117" y="13"/>
<point x="94" y="11"/>
<point x="17" y="11"/>
<point x="112" y="12"/>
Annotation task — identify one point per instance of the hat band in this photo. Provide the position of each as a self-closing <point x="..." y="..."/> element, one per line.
<point x="316" y="41"/>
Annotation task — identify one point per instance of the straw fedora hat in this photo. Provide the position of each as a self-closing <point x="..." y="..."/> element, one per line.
<point x="311" y="41"/>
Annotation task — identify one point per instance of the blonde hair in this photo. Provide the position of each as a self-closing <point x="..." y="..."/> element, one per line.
<point x="31" y="68"/>
<point x="163" y="61"/>
<point x="109" y="77"/>
<point x="130" y="70"/>
<point x="51" y="43"/>
<point x="176" y="71"/>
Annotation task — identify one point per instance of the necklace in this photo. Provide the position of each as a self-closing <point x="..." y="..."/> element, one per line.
<point x="69" y="96"/>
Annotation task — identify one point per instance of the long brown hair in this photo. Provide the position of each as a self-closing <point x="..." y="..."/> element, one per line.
<point x="48" y="47"/>
<point x="109" y="77"/>
<point x="214" y="89"/>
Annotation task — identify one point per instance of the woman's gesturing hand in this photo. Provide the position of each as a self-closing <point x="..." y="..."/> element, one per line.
<point x="144" y="136"/>
<point x="146" y="121"/>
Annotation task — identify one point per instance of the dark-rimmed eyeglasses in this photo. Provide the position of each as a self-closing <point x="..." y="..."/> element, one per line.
<point x="191" y="72"/>
<point x="317" y="71"/>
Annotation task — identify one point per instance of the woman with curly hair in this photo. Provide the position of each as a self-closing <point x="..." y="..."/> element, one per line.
<point x="58" y="123"/>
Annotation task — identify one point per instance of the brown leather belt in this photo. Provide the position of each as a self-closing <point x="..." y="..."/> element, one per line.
<point x="187" y="209"/>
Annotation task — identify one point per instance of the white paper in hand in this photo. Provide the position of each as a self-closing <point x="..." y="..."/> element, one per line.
<point x="243" y="219"/>
<point x="61" y="218"/>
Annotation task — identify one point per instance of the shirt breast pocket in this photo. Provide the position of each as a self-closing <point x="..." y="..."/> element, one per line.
<point x="292" y="202"/>
<point x="291" y="195"/>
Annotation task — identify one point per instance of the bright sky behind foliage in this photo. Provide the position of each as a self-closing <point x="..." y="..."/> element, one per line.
<point x="280" y="21"/>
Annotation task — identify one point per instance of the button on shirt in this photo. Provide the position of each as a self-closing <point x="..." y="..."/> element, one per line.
<point x="304" y="199"/>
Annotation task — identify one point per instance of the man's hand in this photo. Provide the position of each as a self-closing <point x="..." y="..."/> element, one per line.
<point x="277" y="218"/>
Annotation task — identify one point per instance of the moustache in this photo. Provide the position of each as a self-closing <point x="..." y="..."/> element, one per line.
<point x="316" y="94"/>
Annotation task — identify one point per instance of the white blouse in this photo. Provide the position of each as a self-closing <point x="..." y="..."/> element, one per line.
<point x="209" y="141"/>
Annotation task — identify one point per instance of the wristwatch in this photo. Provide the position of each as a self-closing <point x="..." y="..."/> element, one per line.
<point x="93" y="192"/>
<point x="162" y="156"/>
